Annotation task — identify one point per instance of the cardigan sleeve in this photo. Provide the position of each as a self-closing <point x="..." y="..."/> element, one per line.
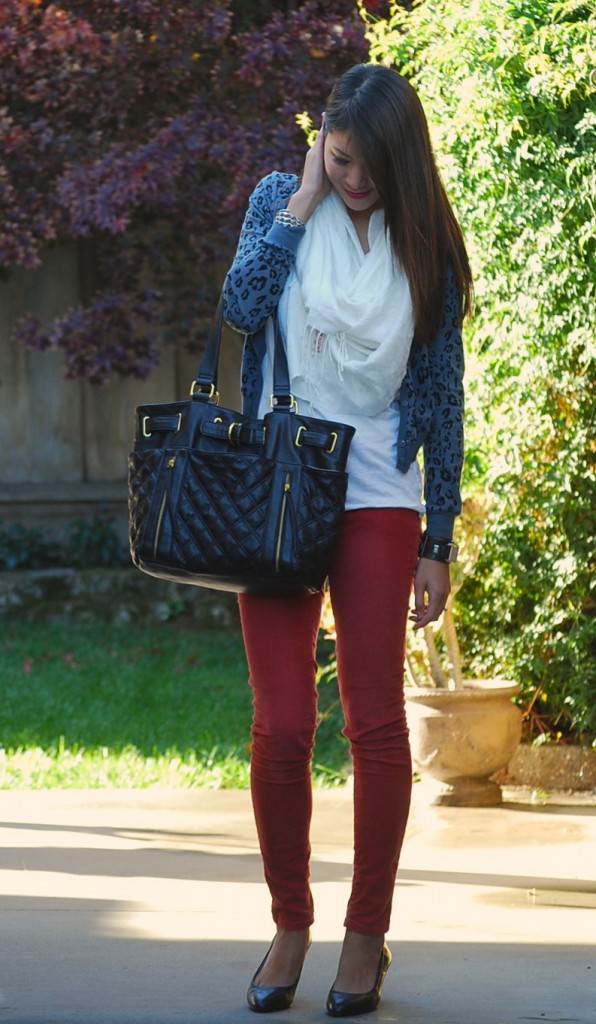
<point x="443" y="446"/>
<point x="265" y="256"/>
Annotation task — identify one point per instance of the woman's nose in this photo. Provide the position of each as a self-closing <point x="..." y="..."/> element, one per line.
<point x="358" y="180"/>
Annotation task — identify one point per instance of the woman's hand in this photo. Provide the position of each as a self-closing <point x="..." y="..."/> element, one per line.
<point x="315" y="184"/>
<point x="432" y="586"/>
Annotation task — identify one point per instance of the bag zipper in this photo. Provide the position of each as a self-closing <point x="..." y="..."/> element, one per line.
<point x="282" y="519"/>
<point x="162" y="508"/>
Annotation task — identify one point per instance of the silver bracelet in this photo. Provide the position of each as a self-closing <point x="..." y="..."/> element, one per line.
<point x="288" y="220"/>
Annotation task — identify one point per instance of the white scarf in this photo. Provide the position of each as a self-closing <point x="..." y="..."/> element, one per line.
<point x="350" y="320"/>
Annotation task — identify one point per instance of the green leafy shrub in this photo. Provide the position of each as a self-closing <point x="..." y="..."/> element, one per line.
<point x="90" y="543"/>
<point x="510" y="93"/>
<point x="23" y="547"/>
<point x="95" y="542"/>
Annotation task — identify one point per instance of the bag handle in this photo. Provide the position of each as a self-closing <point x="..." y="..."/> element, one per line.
<point x="204" y="386"/>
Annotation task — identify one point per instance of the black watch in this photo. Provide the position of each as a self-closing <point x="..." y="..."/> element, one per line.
<point x="437" y="548"/>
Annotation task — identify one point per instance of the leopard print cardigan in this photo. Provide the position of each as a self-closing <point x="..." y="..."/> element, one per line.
<point x="430" y="398"/>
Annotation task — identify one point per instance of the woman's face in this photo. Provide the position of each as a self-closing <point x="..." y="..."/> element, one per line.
<point x="348" y="175"/>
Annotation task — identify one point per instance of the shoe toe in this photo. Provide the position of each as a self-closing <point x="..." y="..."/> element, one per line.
<point x="348" y="1004"/>
<point x="269" y="1000"/>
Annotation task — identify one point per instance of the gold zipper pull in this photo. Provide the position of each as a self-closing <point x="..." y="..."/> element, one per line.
<point x="172" y="463"/>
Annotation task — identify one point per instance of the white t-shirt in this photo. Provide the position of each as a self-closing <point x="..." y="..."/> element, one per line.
<point x="374" y="481"/>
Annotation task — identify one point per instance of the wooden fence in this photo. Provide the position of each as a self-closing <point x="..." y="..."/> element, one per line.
<point x="65" y="443"/>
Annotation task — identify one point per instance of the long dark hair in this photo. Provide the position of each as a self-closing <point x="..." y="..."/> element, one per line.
<point x="381" y="112"/>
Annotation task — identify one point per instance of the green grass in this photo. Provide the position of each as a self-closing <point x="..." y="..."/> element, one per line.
<point x="96" y="706"/>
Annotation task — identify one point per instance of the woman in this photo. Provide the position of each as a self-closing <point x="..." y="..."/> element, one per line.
<point x="364" y="263"/>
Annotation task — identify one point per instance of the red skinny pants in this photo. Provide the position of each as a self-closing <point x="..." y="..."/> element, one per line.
<point x="370" y="583"/>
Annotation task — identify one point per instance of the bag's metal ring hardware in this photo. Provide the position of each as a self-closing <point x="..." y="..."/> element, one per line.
<point x="234" y="433"/>
<point x="332" y="435"/>
<point x="199" y="389"/>
<point x="292" y="403"/>
<point x="146" y="421"/>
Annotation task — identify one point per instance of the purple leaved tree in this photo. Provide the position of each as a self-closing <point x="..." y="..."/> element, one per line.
<point x="138" y="130"/>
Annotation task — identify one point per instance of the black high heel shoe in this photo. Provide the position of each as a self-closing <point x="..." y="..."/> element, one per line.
<point x="268" y="999"/>
<point x="348" y="1004"/>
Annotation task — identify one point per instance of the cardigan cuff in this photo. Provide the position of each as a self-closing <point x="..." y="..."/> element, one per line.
<point x="440" y="524"/>
<point x="285" y="238"/>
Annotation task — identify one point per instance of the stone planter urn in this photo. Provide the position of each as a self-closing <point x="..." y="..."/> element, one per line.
<point x="462" y="737"/>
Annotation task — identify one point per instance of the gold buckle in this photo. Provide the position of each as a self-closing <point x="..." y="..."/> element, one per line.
<point x="330" y="450"/>
<point x="149" y="433"/>
<point x="293" y="406"/>
<point x="198" y="389"/>
<point x="232" y="431"/>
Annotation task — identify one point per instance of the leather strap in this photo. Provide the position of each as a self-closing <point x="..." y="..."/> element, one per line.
<point x="315" y="439"/>
<point x="205" y="383"/>
<point x="235" y="433"/>
<point x="206" y="378"/>
<point x="156" y="424"/>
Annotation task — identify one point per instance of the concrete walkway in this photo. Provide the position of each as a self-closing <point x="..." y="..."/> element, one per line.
<point x="124" y="907"/>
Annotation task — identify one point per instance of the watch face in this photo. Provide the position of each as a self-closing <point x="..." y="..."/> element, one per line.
<point x="451" y="553"/>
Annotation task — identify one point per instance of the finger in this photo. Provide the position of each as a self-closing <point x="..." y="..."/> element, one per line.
<point x="320" y="139"/>
<point x="419" y="616"/>
<point x="430" y="598"/>
<point x="434" y="609"/>
<point x="420" y="603"/>
<point x="429" y="615"/>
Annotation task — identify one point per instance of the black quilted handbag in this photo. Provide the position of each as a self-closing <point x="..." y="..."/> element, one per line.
<point x="222" y="501"/>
